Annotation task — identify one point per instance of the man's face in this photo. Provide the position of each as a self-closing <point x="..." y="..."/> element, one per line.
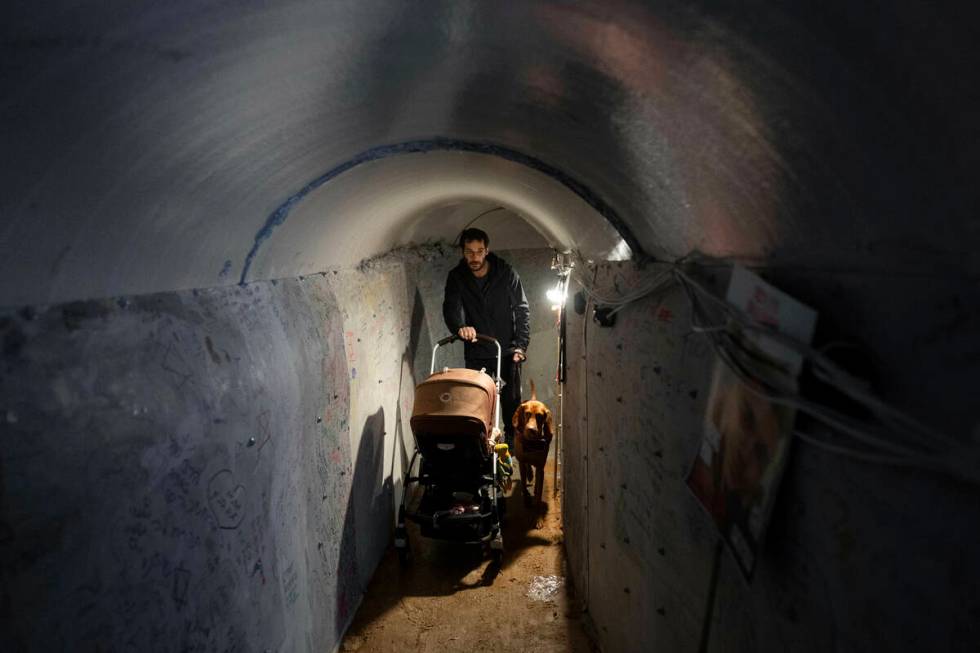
<point x="475" y="252"/>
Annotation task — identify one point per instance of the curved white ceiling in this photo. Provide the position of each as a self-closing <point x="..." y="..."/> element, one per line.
<point x="363" y="211"/>
<point x="432" y="196"/>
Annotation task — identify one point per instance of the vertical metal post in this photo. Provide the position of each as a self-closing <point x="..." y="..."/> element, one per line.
<point x="709" y="611"/>
<point x="560" y="377"/>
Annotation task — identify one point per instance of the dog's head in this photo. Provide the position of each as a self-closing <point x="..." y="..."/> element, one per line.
<point x="533" y="420"/>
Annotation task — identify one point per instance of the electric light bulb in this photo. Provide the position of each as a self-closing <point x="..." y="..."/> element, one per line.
<point x="555" y="295"/>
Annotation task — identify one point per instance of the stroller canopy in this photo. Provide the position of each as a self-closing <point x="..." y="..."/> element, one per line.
<point x="454" y="396"/>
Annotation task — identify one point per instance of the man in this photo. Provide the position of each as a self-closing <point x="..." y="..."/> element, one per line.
<point x="484" y="295"/>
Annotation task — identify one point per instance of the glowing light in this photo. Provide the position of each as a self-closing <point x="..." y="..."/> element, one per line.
<point x="555" y="294"/>
<point x="621" y="252"/>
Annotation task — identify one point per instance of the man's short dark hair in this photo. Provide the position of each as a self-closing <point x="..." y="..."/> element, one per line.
<point x="474" y="234"/>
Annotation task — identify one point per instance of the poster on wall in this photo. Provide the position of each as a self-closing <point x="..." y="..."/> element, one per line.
<point x="746" y="437"/>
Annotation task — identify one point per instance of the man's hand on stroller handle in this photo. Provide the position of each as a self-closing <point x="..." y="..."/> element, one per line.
<point x="469" y="333"/>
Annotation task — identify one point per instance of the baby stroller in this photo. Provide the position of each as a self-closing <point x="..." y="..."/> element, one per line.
<point x="455" y="419"/>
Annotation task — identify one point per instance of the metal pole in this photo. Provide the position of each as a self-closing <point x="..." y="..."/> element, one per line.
<point x="709" y="611"/>
<point x="560" y="378"/>
<point x="560" y="412"/>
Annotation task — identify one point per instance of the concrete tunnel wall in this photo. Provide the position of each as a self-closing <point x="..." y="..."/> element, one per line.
<point x="176" y="149"/>
<point x="229" y="459"/>
<point x="857" y="557"/>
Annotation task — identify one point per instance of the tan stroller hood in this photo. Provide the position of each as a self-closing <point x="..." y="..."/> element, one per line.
<point x="459" y="395"/>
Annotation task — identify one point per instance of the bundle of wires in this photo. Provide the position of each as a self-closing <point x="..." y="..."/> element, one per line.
<point x="890" y="437"/>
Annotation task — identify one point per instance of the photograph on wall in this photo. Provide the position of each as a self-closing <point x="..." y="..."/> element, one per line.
<point x="746" y="436"/>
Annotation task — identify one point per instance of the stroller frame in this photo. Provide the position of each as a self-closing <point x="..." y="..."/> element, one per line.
<point x="481" y="488"/>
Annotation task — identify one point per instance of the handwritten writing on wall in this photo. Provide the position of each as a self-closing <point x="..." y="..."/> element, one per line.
<point x="226" y="499"/>
<point x="160" y="484"/>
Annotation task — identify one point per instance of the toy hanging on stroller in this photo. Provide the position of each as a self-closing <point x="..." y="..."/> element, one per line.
<point x="455" y="422"/>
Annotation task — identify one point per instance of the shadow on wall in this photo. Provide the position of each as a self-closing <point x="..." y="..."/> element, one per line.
<point x="419" y="342"/>
<point x="375" y="489"/>
<point x="371" y="497"/>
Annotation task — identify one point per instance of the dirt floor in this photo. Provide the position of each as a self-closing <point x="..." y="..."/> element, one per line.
<point x="451" y="598"/>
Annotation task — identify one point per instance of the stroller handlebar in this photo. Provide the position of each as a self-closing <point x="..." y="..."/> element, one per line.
<point x="453" y="338"/>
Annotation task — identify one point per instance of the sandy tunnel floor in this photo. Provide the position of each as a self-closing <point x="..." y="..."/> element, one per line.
<point x="451" y="598"/>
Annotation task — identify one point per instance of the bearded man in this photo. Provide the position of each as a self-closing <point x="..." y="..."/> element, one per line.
<point x="484" y="295"/>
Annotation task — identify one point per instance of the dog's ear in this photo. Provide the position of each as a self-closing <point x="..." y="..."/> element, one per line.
<point x="549" y="426"/>
<point x="518" y="419"/>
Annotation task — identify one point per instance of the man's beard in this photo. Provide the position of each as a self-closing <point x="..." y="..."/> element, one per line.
<point x="476" y="267"/>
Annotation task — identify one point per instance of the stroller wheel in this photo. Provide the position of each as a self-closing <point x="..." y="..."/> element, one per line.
<point x="496" y="545"/>
<point x="401" y="539"/>
<point x="501" y="508"/>
<point x="496" y="557"/>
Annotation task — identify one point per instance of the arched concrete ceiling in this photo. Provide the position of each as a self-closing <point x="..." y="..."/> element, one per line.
<point x="423" y="197"/>
<point x="446" y="221"/>
<point x="152" y="146"/>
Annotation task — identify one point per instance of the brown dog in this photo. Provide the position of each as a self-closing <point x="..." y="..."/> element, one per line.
<point x="533" y="431"/>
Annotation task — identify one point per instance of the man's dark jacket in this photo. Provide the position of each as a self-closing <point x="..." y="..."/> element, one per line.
<point x="500" y="310"/>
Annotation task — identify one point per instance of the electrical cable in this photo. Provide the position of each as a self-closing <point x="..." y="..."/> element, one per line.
<point x="924" y="455"/>
<point x="834" y="376"/>
<point x="852" y="453"/>
<point x="817" y="411"/>
<point x="895" y="438"/>
<point x="470" y="223"/>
